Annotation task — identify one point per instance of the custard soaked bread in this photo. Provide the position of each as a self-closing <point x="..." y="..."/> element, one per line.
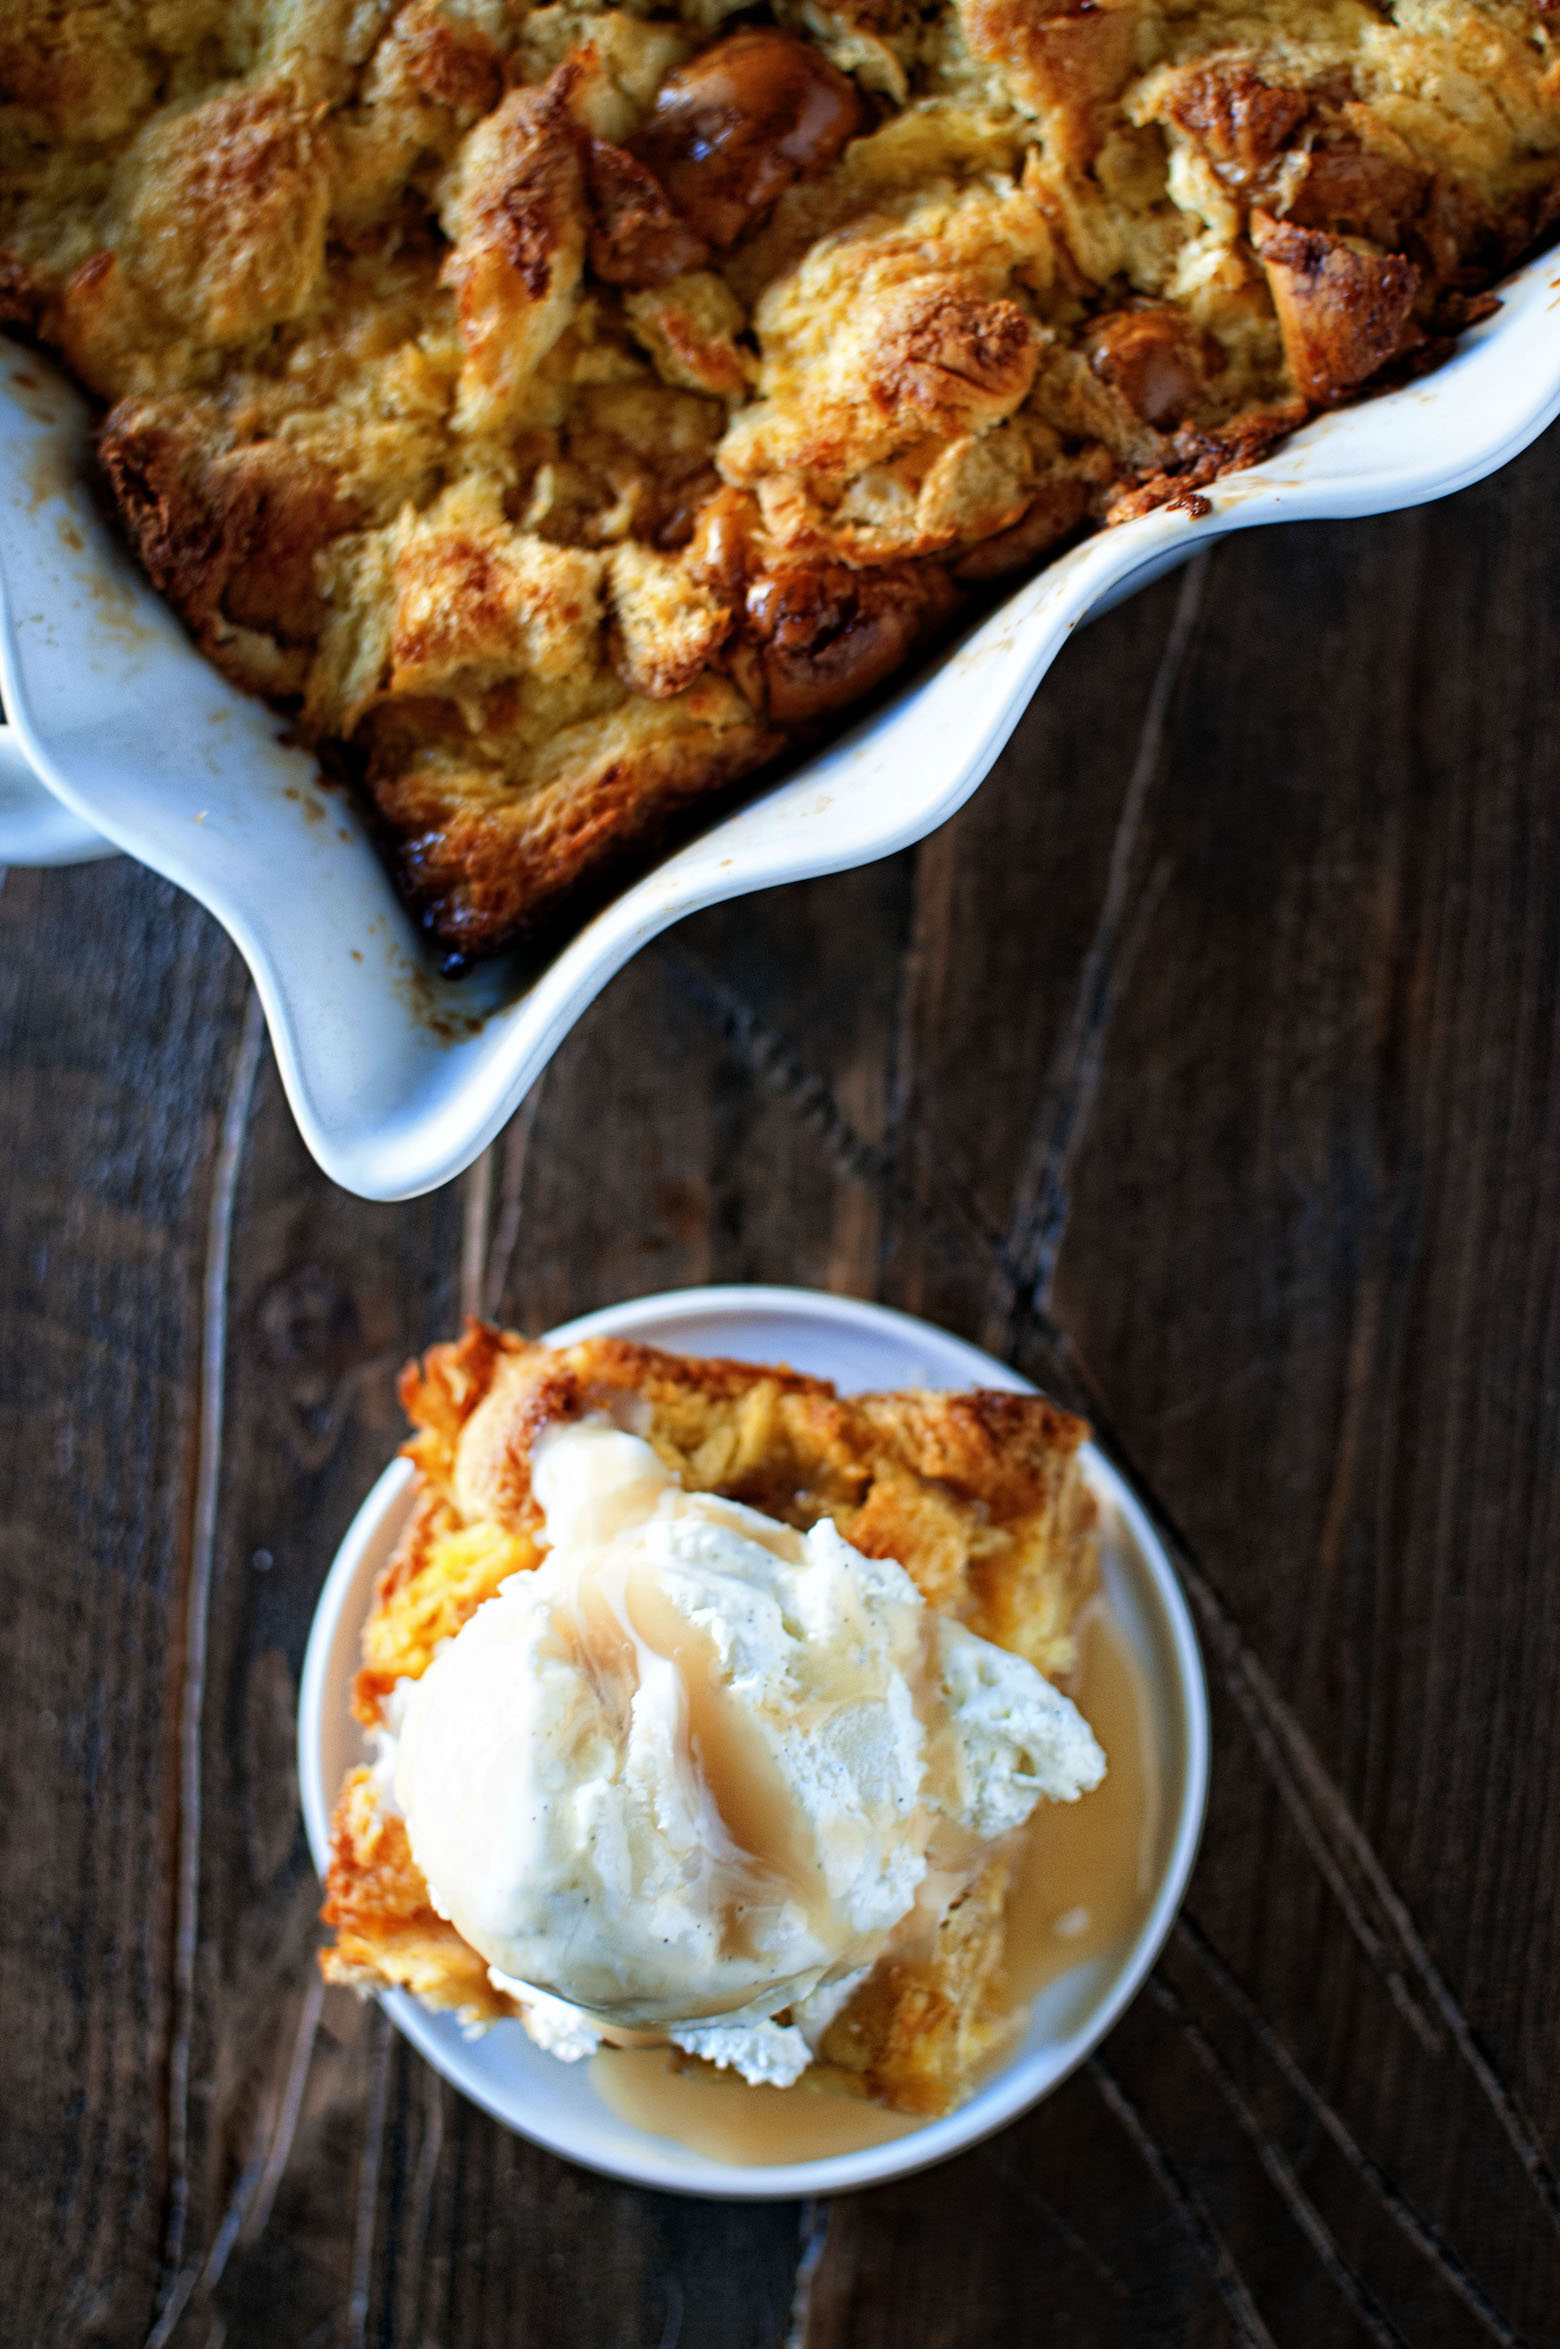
<point x="979" y="1497"/>
<point x="556" y="410"/>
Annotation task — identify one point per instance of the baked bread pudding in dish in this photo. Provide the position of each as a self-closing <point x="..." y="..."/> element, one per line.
<point x="556" y="411"/>
<point x="711" y="1708"/>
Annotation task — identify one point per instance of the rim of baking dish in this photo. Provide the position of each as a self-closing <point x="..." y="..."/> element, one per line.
<point x="886" y="783"/>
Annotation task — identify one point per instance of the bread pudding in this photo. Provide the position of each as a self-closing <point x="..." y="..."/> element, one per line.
<point x="557" y="411"/>
<point x="977" y="1497"/>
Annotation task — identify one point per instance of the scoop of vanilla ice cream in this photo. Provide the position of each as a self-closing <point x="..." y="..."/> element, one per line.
<point x="688" y="1770"/>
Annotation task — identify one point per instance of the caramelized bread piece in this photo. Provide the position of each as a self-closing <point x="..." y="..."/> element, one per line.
<point x="731" y="131"/>
<point x="1343" y="308"/>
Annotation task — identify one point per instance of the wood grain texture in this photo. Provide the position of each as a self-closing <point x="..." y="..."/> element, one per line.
<point x="1205" y="1066"/>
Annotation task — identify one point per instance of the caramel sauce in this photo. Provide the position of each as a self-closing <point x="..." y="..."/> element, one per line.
<point x="1087" y="1869"/>
<point x="723" y="2118"/>
<point x="768" y="1857"/>
<point x="1085" y="1876"/>
<point x="628" y="1636"/>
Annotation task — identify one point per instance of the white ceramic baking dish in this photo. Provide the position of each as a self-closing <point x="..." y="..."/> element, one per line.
<point x="398" y="1077"/>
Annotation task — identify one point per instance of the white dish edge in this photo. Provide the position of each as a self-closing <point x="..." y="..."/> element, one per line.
<point x="390" y="1115"/>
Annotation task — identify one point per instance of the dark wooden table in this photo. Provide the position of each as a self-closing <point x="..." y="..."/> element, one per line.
<point x="1205" y="1066"/>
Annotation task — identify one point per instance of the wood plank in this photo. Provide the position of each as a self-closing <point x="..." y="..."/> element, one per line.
<point x="325" y="1299"/>
<point x="119" y="1006"/>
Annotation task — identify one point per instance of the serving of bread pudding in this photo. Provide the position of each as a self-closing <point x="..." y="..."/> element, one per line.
<point x="978" y="1496"/>
<point x="558" y="411"/>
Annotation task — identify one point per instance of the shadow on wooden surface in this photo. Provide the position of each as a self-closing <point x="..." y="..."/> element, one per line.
<point x="1204" y="1066"/>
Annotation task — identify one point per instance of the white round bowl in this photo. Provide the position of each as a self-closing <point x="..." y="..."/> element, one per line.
<point x="858" y="1346"/>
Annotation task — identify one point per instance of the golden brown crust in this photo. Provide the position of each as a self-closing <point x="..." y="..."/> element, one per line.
<point x="1066" y="61"/>
<point x="230" y="539"/>
<point x="467" y="848"/>
<point x="456" y="65"/>
<point x="558" y="411"/>
<point x="667" y="625"/>
<point x="229" y="212"/>
<point x="948" y="363"/>
<point x="518" y="217"/>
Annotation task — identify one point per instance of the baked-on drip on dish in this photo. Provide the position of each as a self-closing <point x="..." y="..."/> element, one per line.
<point x="558" y="410"/>
<point x="713" y="1704"/>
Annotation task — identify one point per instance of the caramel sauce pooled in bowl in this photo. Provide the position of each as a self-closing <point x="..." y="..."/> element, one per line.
<point x="721" y="2117"/>
<point x="1084" y="1878"/>
<point x="1086" y="1869"/>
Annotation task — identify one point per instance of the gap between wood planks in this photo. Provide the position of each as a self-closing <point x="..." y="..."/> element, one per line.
<point x="488" y="1241"/>
<point x="179" y="2278"/>
<point x="486" y="1251"/>
<point x="369" y="2162"/>
<point x="1026" y="1264"/>
<point x="1188" y="2206"/>
<point x="188" y="2284"/>
<point x="813" y="2221"/>
<point x="1188" y="1939"/>
<point x="1366" y="2308"/>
